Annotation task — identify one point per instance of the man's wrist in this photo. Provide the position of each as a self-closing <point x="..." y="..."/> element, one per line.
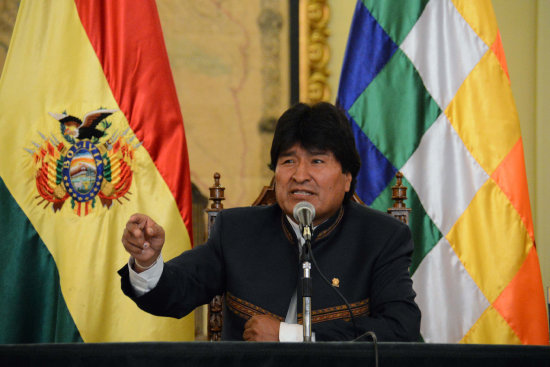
<point x="138" y="268"/>
<point x="144" y="281"/>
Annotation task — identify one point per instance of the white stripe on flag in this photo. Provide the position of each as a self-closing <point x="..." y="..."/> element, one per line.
<point x="444" y="49"/>
<point x="444" y="174"/>
<point x="449" y="299"/>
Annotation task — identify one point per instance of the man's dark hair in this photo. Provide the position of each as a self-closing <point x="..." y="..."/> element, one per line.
<point x="322" y="127"/>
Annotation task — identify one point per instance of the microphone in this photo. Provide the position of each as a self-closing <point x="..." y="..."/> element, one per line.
<point x="303" y="213"/>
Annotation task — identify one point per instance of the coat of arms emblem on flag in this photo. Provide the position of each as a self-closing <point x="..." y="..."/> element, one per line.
<point x="88" y="164"/>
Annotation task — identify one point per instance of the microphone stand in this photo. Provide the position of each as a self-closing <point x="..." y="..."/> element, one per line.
<point x="305" y="260"/>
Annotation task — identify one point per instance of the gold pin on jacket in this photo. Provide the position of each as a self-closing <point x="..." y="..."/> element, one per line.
<point x="335" y="282"/>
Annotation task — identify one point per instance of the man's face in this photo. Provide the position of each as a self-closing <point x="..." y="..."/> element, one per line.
<point x="314" y="176"/>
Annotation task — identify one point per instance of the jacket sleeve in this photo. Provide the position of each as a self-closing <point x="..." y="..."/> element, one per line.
<point x="394" y="316"/>
<point x="187" y="281"/>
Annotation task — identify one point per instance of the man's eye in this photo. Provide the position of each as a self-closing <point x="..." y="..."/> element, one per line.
<point x="288" y="161"/>
<point x="317" y="161"/>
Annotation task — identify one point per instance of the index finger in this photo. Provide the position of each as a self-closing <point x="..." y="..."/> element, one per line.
<point x="136" y="226"/>
<point x="138" y="219"/>
<point x="152" y="228"/>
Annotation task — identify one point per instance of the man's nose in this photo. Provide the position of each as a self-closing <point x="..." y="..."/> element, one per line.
<point x="301" y="173"/>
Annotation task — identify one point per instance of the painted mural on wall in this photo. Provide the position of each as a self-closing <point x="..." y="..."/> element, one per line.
<point x="8" y="13"/>
<point x="230" y="62"/>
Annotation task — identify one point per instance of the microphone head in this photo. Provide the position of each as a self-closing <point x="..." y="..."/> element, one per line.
<point x="303" y="213"/>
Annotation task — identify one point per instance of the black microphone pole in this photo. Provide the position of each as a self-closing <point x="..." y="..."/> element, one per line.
<point x="304" y="212"/>
<point x="306" y="282"/>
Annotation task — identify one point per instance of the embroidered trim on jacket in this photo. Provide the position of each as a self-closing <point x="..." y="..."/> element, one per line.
<point x="327" y="231"/>
<point x="341" y="312"/>
<point x="246" y="309"/>
<point x="321" y="235"/>
<point x="285" y="230"/>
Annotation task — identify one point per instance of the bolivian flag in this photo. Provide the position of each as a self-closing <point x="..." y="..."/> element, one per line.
<point x="426" y="87"/>
<point x="91" y="132"/>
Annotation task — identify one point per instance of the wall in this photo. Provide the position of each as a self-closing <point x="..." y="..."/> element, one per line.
<point x="542" y="137"/>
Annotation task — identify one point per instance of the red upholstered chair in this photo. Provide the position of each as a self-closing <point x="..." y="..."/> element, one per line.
<point x="267" y="197"/>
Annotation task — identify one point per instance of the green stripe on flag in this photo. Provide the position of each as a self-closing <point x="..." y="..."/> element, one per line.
<point x="395" y="110"/>
<point x="384" y="201"/>
<point x="396" y="17"/>
<point x="424" y="232"/>
<point x="32" y="308"/>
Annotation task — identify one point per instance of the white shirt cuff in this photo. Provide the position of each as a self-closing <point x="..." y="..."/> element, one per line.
<point x="291" y="332"/>
<point x="146" y="280"/>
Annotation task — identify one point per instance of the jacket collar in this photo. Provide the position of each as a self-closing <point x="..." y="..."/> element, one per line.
<point x="320" y="232"/>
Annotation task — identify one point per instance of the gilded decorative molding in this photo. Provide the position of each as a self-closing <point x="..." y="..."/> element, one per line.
<point x="270" y="23"/>
<point x="8" y="13"/>
<point x="314" y="51"/>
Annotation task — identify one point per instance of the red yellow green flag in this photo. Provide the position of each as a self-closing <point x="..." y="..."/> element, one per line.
<point x="91" y="133"/>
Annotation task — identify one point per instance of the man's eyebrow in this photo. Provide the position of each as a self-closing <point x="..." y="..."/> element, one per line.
<point x="319" y="152"/>
<point x="287" y="153"/>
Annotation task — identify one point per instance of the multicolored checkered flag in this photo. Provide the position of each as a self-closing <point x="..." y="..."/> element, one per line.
<point x="426" y="88"/>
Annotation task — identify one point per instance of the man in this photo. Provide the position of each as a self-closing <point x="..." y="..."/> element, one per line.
<point x="252" y="255"/>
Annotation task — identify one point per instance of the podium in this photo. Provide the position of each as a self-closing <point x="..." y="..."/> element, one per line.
<point x="240" y="354"/>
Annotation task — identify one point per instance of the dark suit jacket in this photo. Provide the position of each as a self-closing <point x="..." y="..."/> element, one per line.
<point x="252" y="258"/>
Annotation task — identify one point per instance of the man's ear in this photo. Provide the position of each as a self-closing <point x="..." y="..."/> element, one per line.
<point x="348" y="179"/>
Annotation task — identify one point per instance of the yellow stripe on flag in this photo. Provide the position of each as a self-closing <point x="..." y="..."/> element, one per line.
<point x="480" y="16"/>
<point x="51" y="67"/>
<point x="482" y="242"/>
<point x="483" y="110"/>
<point x="490" y="328"/>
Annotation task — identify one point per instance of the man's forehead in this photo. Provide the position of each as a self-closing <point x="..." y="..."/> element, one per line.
<point x="293" y="150"/>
